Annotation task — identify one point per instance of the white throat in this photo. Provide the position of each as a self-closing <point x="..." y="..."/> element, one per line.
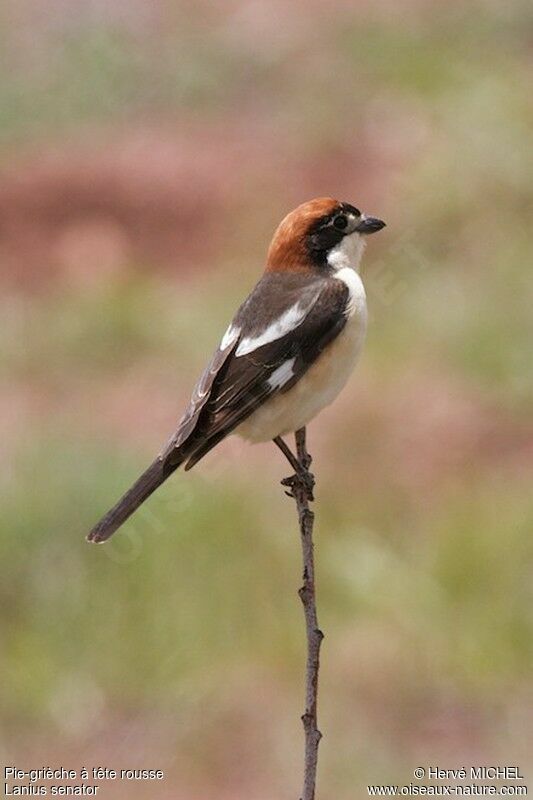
<point x="347" y="253"/>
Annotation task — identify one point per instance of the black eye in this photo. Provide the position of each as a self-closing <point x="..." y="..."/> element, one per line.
<point x="340" y="222"/>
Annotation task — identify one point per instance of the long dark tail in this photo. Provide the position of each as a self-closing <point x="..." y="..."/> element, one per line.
<point x="153" y="477"/>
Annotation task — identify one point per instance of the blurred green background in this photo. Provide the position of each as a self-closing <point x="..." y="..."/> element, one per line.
<point x="147" y="151"/>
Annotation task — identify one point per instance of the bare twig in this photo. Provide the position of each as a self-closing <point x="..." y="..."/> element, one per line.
<point x="301" y="488"/>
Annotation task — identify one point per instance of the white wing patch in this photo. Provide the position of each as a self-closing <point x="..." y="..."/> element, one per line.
<point x="288" y="321"/>
<point x="282" y="374"/>
<point x="231" y="335"/>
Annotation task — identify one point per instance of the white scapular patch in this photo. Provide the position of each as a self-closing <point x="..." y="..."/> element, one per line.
<point x="231" y="335"/>
<point x="348" y="252"/>
<point x="283" y="325"/>
<point x="282" y="374"/>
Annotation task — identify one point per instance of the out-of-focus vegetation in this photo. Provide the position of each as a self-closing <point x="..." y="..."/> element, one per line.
<point x="148" y="150"/>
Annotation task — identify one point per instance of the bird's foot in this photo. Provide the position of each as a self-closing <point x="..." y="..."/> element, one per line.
<point x="306" y="460"/>
<point x="302" y="479"/>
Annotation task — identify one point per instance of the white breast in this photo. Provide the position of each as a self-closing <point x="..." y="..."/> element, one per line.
<point x="322" y="382"/>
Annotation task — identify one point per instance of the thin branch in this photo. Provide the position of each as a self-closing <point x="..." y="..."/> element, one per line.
<point x="287" y="452"/>
<point x="301" y="485"/>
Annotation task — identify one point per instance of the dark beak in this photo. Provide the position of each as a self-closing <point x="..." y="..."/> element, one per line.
<point x="370" y="225"/>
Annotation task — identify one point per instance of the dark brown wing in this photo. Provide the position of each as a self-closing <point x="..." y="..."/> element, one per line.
<point x="248" y="368"/>
<point x="246" y="381"/>
<point x="178" y="442"/>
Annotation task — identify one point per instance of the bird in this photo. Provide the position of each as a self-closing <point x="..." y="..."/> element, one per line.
<point x="286" y="355"/>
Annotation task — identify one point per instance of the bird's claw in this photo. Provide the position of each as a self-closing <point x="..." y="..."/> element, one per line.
<point x="303" y="479"/>
<point x="307" y="460"/>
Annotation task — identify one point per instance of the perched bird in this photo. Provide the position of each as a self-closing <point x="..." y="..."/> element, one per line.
<point x="287" y="353"/>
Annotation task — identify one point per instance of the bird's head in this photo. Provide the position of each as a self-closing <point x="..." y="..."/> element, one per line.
<point x="321" y="235"/>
